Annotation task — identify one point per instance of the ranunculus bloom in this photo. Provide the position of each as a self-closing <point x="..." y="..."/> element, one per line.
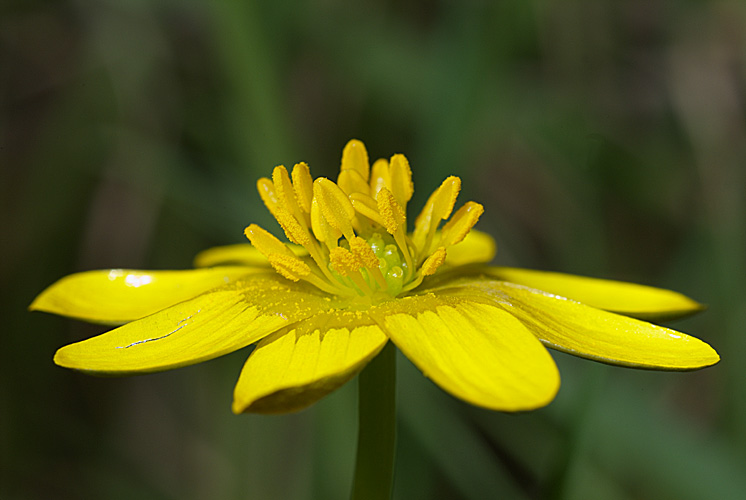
<point x="354" y="279"/>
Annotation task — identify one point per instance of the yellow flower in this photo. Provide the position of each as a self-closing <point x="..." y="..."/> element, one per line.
<point x="354" y="279"/>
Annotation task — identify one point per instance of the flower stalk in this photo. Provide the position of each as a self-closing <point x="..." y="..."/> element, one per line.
<point x="374" y="467"/>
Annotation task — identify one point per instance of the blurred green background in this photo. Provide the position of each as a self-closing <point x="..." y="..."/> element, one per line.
<point x="605" y="138"/>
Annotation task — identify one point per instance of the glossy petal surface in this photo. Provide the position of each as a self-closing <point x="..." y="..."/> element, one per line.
<point x="209" y="325"/>
<point x="300" y="364"/>
<point x="630" y="299"/>
<point x="117" y="296"/>
<point x="475" y="351"/>
<point x="588" y="332"/>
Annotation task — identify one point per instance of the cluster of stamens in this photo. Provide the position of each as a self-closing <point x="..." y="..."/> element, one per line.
<point x="354" y="231"/>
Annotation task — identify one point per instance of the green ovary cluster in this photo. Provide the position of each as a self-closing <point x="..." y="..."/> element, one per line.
<point x="390" y="263"/>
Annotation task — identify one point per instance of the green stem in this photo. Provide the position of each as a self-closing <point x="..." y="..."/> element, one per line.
<point x="376" y="442"/>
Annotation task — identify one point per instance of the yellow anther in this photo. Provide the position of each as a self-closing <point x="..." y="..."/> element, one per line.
<point x="294" y="231"/>
<point x="290" y="267"/>
<point x="303" y="186"/>
<point x="456" y="229"/>
<point x="266" y="243"/>
<point x="321" y="228"/>
<point x="367" y="206"/>
<point x="433" y="262"/>
<point x="400" y="179"/>
<point x="267" y="193"/>
<point x="379" y="177"/>
<point x="438" y="207"/>
<point x="355" y="157"/>
<point x="391" y="212"/>
<point x="285" y="191"/>
<point x="335" y="206"/>
<point x="350" y="181"/>
<point x="360" y="248"/>
<point x="344" y="262"/>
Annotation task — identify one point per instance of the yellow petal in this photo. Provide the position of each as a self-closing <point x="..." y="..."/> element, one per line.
<point x="209" y="325"/>
<point x="300" y="364"/>
<point x="588" y="332"/>
<point x="476" y="247"/>
<point x="117" y="296"/>
<point x="630" y="299"/>
<point x="239" y="254"/>
<point x="475" y="351"/>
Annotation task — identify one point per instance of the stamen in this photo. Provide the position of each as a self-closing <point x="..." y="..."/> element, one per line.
<point x="379" y="177"/>
<point x="348" y="264"/>
<point x="294" y="231"/>
<point x="365" y="254"/>
<point x="395" y="223"/>
<point x="350" y="181"/>
<point x="367" y="206"/>
<point x="292" y="268"/>
<point x="433" y="262"/>
<point x="335" y="206"/>
<point x="267" y="193"/>
<point x="321" y="228"/>
<point x="355" y="157"/>
<point x="438" y="207"/>
<point x="400" y="179"/>
<point x="266" y="242"/>
<point x="391" y="212"/>
<point x="286" y="192"/>
<point x="456" y="229"/>
<point x="365" y="200"/>
<point x="303" y="185"/>
<point x="343" y="261"/>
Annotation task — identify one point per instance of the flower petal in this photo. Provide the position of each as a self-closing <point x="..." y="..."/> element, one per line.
<point x="630" y="299"/>
<point x="585" y="331"/>
<point x="242" y="254"/>
<point x="210" y="325"/>
<point x="296" y="366"/>
<point x="476" y="247"/>
<point x="475" y="351"/>
<point x="117" y="296"/>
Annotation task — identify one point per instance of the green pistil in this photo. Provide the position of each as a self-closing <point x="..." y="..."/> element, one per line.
<point x="390" y="263"/>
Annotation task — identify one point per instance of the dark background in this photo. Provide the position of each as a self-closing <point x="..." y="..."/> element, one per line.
<point x="604" y="138"/>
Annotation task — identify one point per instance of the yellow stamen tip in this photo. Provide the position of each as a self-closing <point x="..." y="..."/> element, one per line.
<point x="400" y="178"/>
<point x="303" y="185"/>
<point x="335" y="205"/>
<point x="433" y="262"/>
<point x="391" y="212"/>
<point x="360" y="248"/>
<point x="355" y="157"/>
<point x="379" y="177"/>
<point x="291" y="268"/>
<point x="343" y="261"/>
<point x="456" y="229"/>
<point x="265" y="242"/>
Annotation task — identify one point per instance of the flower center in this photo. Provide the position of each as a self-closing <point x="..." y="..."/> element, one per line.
<point x="353" y="232"/>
